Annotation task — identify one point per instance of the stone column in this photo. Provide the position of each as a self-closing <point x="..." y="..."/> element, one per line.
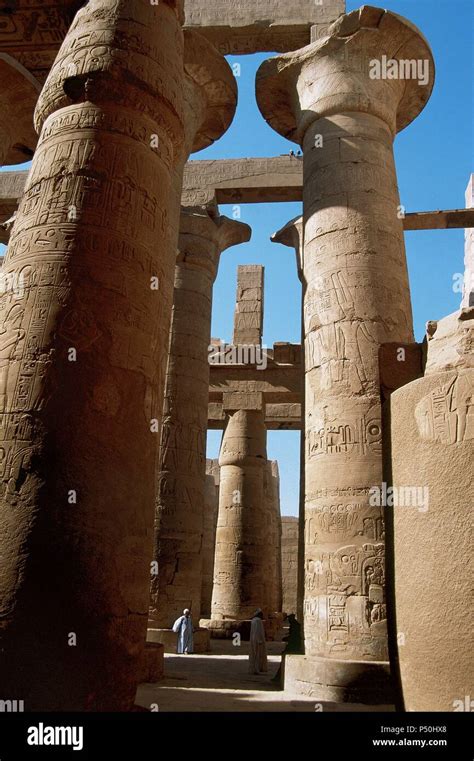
<point x="468" y="291"/>
<point x="240" y="569"/>
<point x="19" y="91"/>
<point x="182" y="461"/>
<point x="211" y="509"/>
<point x="334" y="98"/>
<point x="428" y="462"/>
<point x="292" y="235"/>
<point x="95" y="241"/>
<point x="289" y="563"/>
<point x="273" y="543"/>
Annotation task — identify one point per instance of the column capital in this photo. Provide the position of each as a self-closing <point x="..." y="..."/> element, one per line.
<point x="18" y="95"/>
<point x="371" y="61"/>
<point x="205" y="234"/>
<point x="292" y="235"/>
<point x="210" y="80"/>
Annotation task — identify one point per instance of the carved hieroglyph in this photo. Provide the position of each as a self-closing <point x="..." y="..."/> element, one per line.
<point x="182" y="461"/>
<point x="249" y="26"/>
<point x="84" y="349"/>
<point x="239" y="570"/>
<point x="211" y="509"/>
<point x="356" y="297"/>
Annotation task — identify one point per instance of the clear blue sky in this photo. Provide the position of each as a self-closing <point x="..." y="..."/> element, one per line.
<point x="434" y="158"/>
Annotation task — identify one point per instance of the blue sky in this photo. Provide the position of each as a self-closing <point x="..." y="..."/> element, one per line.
<point x="434" y="157"/>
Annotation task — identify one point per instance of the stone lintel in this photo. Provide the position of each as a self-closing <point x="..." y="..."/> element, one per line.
<point x="242" y="400"/>
<point x="252" y="26"/>
<point x="240" y="181"/>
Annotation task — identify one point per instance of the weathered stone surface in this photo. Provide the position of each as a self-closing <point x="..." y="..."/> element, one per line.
<point x="85" y="348"/>
<point x="32" y="31"/>
<point x="243" y="180"/>
<point x="239" y="570"/>
<point x="468" y="291"/>
<point x="153" y="663"/>
<point x="19" y="91"/>
<point x="436" y="415"/>
<point x="272" y="549"/>
<point x="182" y="463"/>
<point x="248" y="315"/>
<point x="399" y="364"/>
<point x="211" y="509"/>
<point x="355" y="299"/>
<point x="250" y="26"/>
<point x="289" y="563"/>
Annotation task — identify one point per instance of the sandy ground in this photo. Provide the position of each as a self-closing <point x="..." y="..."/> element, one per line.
<point x="219" y="681"/>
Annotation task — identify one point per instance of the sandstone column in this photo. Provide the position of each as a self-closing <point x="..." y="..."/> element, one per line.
<point x="325" y="98"/>
<point x="273" y="543"/>
<point x="83" y="356"/>
<point x="182" y="461"/>
<point x="429" y="465"/>
<point x="211" y="509"/>
<point x="289" y="562"/>
<point x="240" y="569"/>
<point x="292" y="235"/>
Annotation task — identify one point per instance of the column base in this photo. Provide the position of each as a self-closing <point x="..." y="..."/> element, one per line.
<point x="168" y="639"/>
<point x="226" y="628"/>
<point x="152" y="663"/>
<point x="338" y="681"/>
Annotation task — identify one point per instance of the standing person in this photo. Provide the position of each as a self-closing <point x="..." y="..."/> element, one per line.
<point x="258" y="647"/>
<point x="183" y="627"/>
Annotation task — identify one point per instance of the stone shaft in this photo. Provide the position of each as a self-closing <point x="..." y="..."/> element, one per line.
<point x="239" y="571"/>
<point x="289" y="563"/>
<point x="182" y="461"/>
<point x="248" y="316"/>
<point x="211" y="509"/>
<point x="273" y="577"/>
<point x="432" y="518"/>
<point x="79" y="359"/>
<point x="356" y="297"/>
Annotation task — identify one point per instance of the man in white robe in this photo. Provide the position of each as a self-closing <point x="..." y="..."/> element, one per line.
<point x="183" y="627"/>
<point x="258" y="647"/>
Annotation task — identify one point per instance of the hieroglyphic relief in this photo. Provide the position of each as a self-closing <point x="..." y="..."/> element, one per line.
<point x="85" y="345"/>
<point x="446" y="415"/>
<point x="356" y="297"/>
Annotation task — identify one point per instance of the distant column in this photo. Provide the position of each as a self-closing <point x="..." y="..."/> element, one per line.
<point x="273" y="543"/>
<point x="239" y="571"/>
<point x="289" y="563"/>
<point x="182" y="460"/>
<point x="211" y="509"/>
